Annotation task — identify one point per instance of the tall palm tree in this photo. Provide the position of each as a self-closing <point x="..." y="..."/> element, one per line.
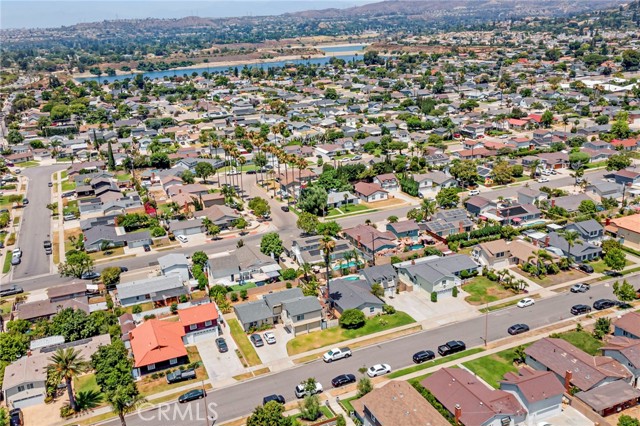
<point x="65" y="365"/>
<point x="347" y="257"/>
<point x="572" y="238"/>
<point x="429" y="208"/>
<point x="534" y="168"/>
<point x="356" y="258"/>
<point x="241" y="160"/>
<point x="216" y="144"/>
<point x="124" y="401"/>
<point x="304" y="270"/>
<point x="327" y="245"/>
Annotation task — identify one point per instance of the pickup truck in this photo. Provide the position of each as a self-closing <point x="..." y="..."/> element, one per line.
<point x="452" y="347"/>
<point x="336" y="354"/>
<point x="580" y="288"/>
<point x="301" y="392"/>
<point x="180" y="376"/>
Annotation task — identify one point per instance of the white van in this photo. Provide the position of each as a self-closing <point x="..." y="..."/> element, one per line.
<point x="182" y="238"/>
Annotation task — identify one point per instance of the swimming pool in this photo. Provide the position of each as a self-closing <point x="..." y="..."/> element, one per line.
<point x="537" y="222"/>
<point x="345" y="265"/>
<point x="351" y="278"/>
<point x="416" y="246"/>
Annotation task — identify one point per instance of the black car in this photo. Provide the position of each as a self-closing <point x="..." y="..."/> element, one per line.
<point x="11" y="290"/>
<point x="612" y="273"/>
<point x="47" y="244"/>
<point x="517" y="329"/>
<point x="90" y="275"/>
<point x="274" y="397"/>
<point x="580" y="309"/>
<point x="192" y="395"/>
<point x="451" y="347"/>
<point x="586" y="268"/>
<point x="222" y="344"/>
<point x="15" y="417"/>
<point x="604" y="304"/>
<point x="285" y="208"/>
<point x="25" y="201"/>
<point x="422" y="356"/>
<point x="257" y="340"/>
<point x="124" y="269"/>
<point x="343" y="379"/>
<point x="146" y="247"/>
<point x="50" y="184"/>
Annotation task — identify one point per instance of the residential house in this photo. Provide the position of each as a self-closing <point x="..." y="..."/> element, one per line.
<point x="477" y="205"/>
<point x="337" y="199"/>
<point x="215" y="199"/>
<point x="581" y="251"/>
<point x="394" y="404"/>
<point x="246" y="264"/>
<point x="67" y="292"/>
<point x="610" y="398"/>
<point x="472" y="401"/>
<point x="605" y="189"/>
<point x="574" y="366"/>
<point x="571" y="203"/>
<point x="435" y="274"/>
<point x="222" y="216"/>
<point x="198" y="321"/>
<point x="160" y="290"/>
<point x="433" y="182"/>
<point x="528" y="195"/>
<point x="625" y="144"/>
<point x="308" y="250"/>
<point x="627" y="228"/>
<point x="253" y="315"/>
<point x="369" y="240"/>
<point x="627" y="177"/>
<point x="175" y="264"/>
<point x="302" y="314"/>
<point x="539" y="392"/>
<point x="388" y="182"/>
<point x="625" y="350"/>
<point x="590" y="231"/>
<point x="354" y="294"/>
<point x="500" y="254"/>
<point x="45" y="309"/>
<point x="628" y="325"/>
<point x="448" y="222"/>
<point x="25" y="380"/>
<point x="370" y="192"/>
<point x="385" y="275"/>
<point x="404" y="229"/>
<point x="518" y="214"/>
<point x="186" y="227"/>
<point x="293" y="182"/>
<point x="157" y="345"/>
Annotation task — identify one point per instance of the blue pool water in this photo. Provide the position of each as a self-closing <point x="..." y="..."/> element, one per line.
<point x="537" y="222"/>
<point x="352" y="278"/>
<point x="416" y="246"/>
<point x="345" y="265"/>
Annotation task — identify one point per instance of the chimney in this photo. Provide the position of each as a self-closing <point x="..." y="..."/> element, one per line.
<point x="29" y="353"/>
<point x="534" y="242"/>
<point x="553" y="202"/>
<point x="359" y="243"/>
<point x="607" y="221"/>
<point x="546" y="241"/>
<point x="458" y="413"/>
<point x="568" y="375"/>
<point x="461" y="229"/>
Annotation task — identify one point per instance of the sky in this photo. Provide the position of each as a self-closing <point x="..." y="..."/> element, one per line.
<point x="22" y="13"/>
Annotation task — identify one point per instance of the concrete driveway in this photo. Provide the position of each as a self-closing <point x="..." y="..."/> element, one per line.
<point x="418" y="304"/>
<point x="219" y="365"/>
<point x="277" y="351"/>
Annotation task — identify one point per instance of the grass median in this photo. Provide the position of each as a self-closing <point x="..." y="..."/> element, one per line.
<point x="330" y="336"/>
<point x="245" y="346"/>
<point x="433" y="363"/>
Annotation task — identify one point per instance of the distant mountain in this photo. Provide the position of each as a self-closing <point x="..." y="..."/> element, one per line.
<point x="434" y="9"/>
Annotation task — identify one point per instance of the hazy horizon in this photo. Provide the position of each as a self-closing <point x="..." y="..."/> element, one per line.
<point x="20" y="14"/>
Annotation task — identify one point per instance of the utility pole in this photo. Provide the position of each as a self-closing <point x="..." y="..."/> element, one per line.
<point x="206" y="410"/>
<point x="486" y="324"/>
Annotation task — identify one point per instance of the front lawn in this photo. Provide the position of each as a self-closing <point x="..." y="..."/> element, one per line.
<point x="482" y="290"/>
<point x="599" y="266"/>
<point x="582" y="340"/>
<point x="330" y="336"/>
<point x="492" y="368"/>
<point x="241" y="339"/>
<point x="349" y="208"/>
<point x="433" y="363"/>
<point x="152" y="384"/>
<point x="549" y="280"/>
<point x="71" y="208"/>
<point x="68" y="186"/>
<point x="84" y="383"/>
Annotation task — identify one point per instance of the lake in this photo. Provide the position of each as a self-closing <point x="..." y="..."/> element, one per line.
<point x="264" y="65"/>
<point x="337" y="49"/>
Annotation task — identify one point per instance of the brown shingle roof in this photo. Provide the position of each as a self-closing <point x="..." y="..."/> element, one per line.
<point x="367" y="189"/>
<point x="535" y="385"/>
<point x="630" y="323"/>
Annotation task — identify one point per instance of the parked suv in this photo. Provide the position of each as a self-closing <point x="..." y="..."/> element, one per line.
<point x="301" y="392"/>
<point x="586" y="268"/>
<point x="580" y="309"/>
<point x="451" y="347"/>
<point x="604" y="304"/>
<point x="580" y="288"/>
<point x="180" y="376"/>
<point x="422" y="356"/>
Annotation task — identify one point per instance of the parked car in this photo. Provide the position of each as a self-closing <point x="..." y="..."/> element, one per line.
<point x="474" y="192"/>
<point x="16" y="252"/>
<point x="378" y="370"/>
<point x="269" y="337"/>
<point x="256" y="340"/>
<point x="68" y="217"/>
<point x="580" y="309"/>
<point x="278" y="398"/>
<point x="50" y="184"/>
<point x="15" y="260"/>
<point x="11" y="290"/>
<point x="146" y="247"/>
<point x="90" y="275"/>
<point x="25" y="201"/>
<point x="301" y="392"/>
<point x="46" y="244"/>
<point x="343" y="379"/>
<point x="422" y="356"/>
<point x="336" y="354"/>
<point x="285" y="208"/>
<point x="68" y="194"/>
<point x="182" y="238"/>
<point x="526" y="302"/>
<point x="543" y="179"/>
<point x="586" y="268"/>
<point x="451" y="347"/>
<point x="517" y="329"/>
<point x="192" y="395"/>
<point x="222" y="345"/>
<point x="604" y="304"/>
<point x="580" y="288"/>
<point x="181" y="376"/>
<point x="612" y="273"/>
<point x="15" y="417"/>
<point x="124" y="269"/>
<point x="357" y="157"/>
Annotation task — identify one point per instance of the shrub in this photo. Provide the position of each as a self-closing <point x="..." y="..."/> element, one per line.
<point x="288" y="285"/>
<point x="150" y="316"/>
<point x="174" y="308"/>
<point x="136" y="309"/>
<point x="66" y="411"/>
<point x="434" y="297"/>
<point x="183" y="298"/>
<point x="352" y="318"/>
<point x="388" y="309"/>
<point x="395" y="259"/>
<point x="158" y="231"/>
<point x="234" y="296"/>
<point x="289" y="274"/>
<point x="454" y="292"/>
<point x="243" y="294"/>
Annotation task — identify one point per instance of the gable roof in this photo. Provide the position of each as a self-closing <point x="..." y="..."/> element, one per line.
<point x="198" y="314"/>
<point x="301" y="305"/>
<point x="155" y="341"/>
<point x="367" y="189"/>
<point x="147" y="286"/>
<point x="252" y="311"/>
<point x="352" y="294"/>
<point x="275" y="299"/>
<point x="173" y="259"/>
<point x="629" y="322"/>
<point x="534" y="385"/>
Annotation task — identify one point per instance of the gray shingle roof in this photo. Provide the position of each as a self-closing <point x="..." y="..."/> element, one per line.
<point x="173" y="259"/>
<point x="277" y="298"/>
<point x="252" y="311"/>
<point x="147" y="286"/>
<point x="302" y="305"/>
<point x="352" y="294"/>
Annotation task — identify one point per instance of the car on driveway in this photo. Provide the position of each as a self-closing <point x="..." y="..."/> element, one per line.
<point x="526" y="302"/>
<point x="378" y="370"/>
<point x="301" y="390"/>
<point x="11" y="290"/>
<point x="192" y="395"/>
<point x="517" y="329"/>
<point x="222" y="345"/>
<point x="257" y="340"/>
<point x="343" y="379"/>
<point x="146" y="247"/>
<point x="580" y="288"/>
<point x="270" y="338"/>
<point x="277" y="398"/>
<point x="90" y="275"/>
<point x="586" y="268"/>
<point x="604" y="304"/>
<point x="15" y="417"/>
<point x="422" y="356"/>
<point x="580" y="309"/>
<point x="451" y="347"/>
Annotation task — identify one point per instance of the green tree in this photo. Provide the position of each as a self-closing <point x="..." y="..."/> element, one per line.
<point x="187" y="177"/>
<point x="270" y="414"/>
<point x="364" y="387"/>
<point x="77" y="263"/>
<point x="502" y="172"/>
<point x="615" y="259"/>
<point x="620" y="127"/>
<point x="330" y="93"/>
<point x="587" y="207"/>
<point x="448" y="198"/>
<point x="124" y="400"/>
<point x="610" y="244"/>
<point x="307" y="223"/>
<point x="260" y="207"/>
<point x="65" y="364"/>
<point x="271" y="244"/>
<point x="160" y="160"/>
<point x="618" y="161"/>
<point x="313" y="199"/>
<point x="547" y="118"/>
<point x="204" y="170"/>
<point x="352" y="318"/>
<point x="110" y="275"/>
<point x="624" y="292"/>
<point x="377" y="290"/>
<point x="200" y="258"/>
<point x="464" y="171"/>
<point x="14" y="137"/>
<point x="630" y="59"/>
<point x="330" y="227"/>
<point x="13" y="345"/>
<point x="602" y="328"/>
<point x="578" y="159"/>
<point x="111" y="161"/>
<point x="310" y="408"/>
<point x="626" y="420"/>
<point x="88" y="400"/>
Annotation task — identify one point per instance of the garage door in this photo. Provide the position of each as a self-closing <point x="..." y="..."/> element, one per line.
<point x="28" y="402"/>
<point x="303" y="329"/>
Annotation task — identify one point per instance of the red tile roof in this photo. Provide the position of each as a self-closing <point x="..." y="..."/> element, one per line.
<point x="156" y="341"/>
<point x="198" y="314"/>
<point x="627" y="143"/>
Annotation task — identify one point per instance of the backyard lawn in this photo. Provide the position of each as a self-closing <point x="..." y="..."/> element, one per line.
<point x="492" y="368"/>
<point x="246" y="286"/>
<point x="330" y="336"/>
<point x="482" y="290"/>
<point x="241" y="339"/>
<point x="582" y="340"/>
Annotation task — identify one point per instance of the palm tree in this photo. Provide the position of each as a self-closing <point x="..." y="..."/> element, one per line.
<point x="304" y="270"/>
<point x="216" y="144"/>
<point x="347" y="257"/>
<point x="356" y="258"/>
<point x="88" y="400"/>
<point x="65" y="365"/>
<point x="429" y="208"/>
<point x="327" y="245"/>
<point x="124" y="401"/>
<point x="534" y="168"/>
<point x="572" y="238"/>
<point x="241" y="160"/>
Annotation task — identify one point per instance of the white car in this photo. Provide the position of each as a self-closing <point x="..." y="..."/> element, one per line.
<point x="474" y="192"/>
<point x="378" y="370"/>
<point x="526" y="302"/>
<point x="16" y="252"/>
<point x="269" y="337"/>
<point x="182" y="238"/>
<point x="543" y="179"/>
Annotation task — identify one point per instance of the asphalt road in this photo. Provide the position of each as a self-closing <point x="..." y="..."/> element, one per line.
<point x="239" y="400"/>
<point x="35" y="225"/>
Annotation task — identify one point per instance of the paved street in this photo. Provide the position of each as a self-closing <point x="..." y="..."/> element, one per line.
<point x="35" y="225"/>
<point x="238" y="400"/>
